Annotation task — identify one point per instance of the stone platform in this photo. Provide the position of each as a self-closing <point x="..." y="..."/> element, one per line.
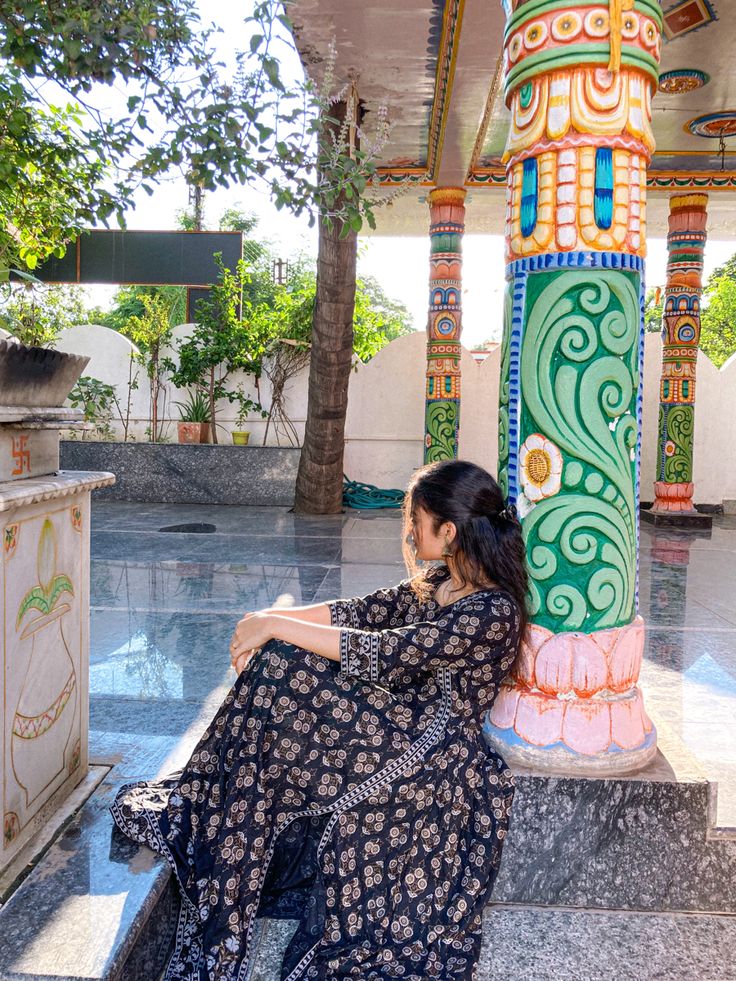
<point x="686" y="520"/>
<point x="531" y="943"/>
<point x="189" y="474"/>
<point x="642" y="842"/>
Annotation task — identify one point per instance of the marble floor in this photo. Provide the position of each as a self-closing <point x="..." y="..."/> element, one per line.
<point x="164" y="605"/>
<point x="688" y="599"/>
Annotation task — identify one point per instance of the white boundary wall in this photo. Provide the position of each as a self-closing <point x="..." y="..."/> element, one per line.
<point x="385" y="420"/>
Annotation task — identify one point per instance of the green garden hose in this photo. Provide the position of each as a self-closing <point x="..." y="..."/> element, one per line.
<point x="364" y="496"/>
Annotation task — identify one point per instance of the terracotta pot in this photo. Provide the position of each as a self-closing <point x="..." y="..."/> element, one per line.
<point x="240" y="437"/>
<point x="193" y="432"/>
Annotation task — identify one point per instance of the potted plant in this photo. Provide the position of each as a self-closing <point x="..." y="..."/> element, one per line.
<point x="194" y="425"/>
<point x="241" y="435"/>
<point x="245" y="406"/>
<point x="225" y="339"/>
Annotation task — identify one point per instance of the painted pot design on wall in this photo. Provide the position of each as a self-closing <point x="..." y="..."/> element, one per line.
<point x="46" y="710"/>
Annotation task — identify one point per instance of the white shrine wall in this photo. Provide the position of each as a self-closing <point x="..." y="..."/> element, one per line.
<point x="385" y="419"/>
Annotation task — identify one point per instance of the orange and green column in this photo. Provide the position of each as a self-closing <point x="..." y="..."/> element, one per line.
<point x="444" y="325"/>
<point x="674" y="487"/>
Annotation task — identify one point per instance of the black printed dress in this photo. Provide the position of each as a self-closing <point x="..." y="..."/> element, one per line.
<point x="359" y="798"/>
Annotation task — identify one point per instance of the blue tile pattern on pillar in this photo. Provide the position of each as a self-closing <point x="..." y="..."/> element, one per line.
<point x="529" y="190"/>
<point x="603" y="199"/>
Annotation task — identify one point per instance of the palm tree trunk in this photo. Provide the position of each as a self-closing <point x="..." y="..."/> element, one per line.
<point x="320" y="476"/>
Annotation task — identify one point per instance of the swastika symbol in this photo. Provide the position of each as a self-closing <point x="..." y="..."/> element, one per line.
<point x="21" y="455"/>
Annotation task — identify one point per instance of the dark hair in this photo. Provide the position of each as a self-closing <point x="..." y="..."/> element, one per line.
<point x="488" y="546"/>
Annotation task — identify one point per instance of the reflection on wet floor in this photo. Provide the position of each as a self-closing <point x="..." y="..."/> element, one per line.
<point x="688" y="598"/>
<point x="164" y="606"/>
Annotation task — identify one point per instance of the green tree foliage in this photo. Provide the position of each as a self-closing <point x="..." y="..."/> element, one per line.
<point x="718" y="319"/>
<point x="36" y="314"/>
<point x="238" y="327"/>
<point x="377" y="320"/>
<point x="237" y="219"/>
<point x="97" y="401"/>
<point x="182" y="109"/>
<point x="226" y="338"/>
<point x="151" y="332"/>
<point x="128" y="302"/>
<point x="653" y="311"/>
<point x="256" y="252"/>
<point x="43" y="166"/>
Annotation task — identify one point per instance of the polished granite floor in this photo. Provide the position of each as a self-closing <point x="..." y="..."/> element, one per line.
<point x="164" y="605"/>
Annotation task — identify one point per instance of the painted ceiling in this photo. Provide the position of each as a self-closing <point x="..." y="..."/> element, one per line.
<point x="435" y="65"/>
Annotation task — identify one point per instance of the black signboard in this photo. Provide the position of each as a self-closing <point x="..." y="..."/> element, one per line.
<point x="144" y="258"/>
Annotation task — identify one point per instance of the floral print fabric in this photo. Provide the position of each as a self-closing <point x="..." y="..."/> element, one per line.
<point x="359" y="798"/>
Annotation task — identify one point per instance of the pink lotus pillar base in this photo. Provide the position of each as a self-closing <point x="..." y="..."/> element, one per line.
<point x="673" y="498"/>
<point x="572" y="704"/>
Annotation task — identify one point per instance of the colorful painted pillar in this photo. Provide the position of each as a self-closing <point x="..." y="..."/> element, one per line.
<point x="444" y="324"/>
<point x="579" y="78"/>
<point x="673" y="488"/>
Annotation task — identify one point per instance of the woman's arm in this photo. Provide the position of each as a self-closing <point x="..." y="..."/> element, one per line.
<point x="375" y="611"/>
<point x="314" y="613"/>
<point x="258" y="628"/>
<point x="474" y="635"/>
<point x="382" y="608"/>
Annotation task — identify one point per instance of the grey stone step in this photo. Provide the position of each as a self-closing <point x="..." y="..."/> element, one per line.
<point x="523" y="943"/>
<point x="528" y="943"/>
<point x="646" y="841"/>
<point x="96" y="906"/>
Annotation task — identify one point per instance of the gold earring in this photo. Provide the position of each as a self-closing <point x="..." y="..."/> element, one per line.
<point x="446" y="550"/>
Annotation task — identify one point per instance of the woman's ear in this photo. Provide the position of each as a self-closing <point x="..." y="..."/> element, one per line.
<point x="450" y="531"/>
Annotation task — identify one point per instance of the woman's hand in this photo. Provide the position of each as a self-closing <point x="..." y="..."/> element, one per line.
<point x="256" y="629"/>
<point x="251" y="633"/>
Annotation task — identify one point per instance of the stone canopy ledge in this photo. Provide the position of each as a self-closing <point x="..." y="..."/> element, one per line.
<point x="32" y="413"/>
<point x="62" y="484"/>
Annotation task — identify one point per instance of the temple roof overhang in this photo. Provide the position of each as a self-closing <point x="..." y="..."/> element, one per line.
<point x="436" y="65"/>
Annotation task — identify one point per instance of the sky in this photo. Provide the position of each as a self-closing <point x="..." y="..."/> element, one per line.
<point x="400" y="264"/>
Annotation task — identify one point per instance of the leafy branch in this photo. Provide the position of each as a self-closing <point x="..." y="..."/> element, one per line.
<point x="175" y="105"/>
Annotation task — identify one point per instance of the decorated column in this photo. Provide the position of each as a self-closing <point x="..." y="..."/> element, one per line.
<point x="442" y="415"/>
<point x="673" y="488"/>
<point x="579" y="78"/>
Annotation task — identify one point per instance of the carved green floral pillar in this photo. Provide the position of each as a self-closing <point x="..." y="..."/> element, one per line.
<point x="578" y="81"/>
<point x="442" y="414"/>
<point x="674" y="487"/>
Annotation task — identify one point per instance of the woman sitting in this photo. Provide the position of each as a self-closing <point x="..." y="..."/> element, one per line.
<point x="344" y="781"/>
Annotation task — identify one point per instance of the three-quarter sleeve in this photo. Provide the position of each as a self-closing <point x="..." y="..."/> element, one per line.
<point x="468" y="635"/>
<point x="373" y="611"/>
